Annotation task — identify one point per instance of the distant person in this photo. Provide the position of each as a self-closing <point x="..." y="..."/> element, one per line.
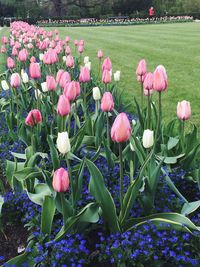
<point x="151" y="12"/>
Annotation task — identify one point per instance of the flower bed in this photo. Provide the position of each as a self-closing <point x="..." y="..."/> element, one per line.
<point x="112" y="22"/>
<point x="91" y="184"/>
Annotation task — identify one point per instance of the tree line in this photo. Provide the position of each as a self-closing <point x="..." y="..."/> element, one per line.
<point x="74" y="9"/>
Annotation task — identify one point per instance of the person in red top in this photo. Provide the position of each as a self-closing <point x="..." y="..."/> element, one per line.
<point x="151" y="12"/>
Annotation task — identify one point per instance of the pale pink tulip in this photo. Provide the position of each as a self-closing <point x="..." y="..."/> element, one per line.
<point x="63" y="107"/>
<point x="60" y="180"/>
<point x="107" y="102"/>
<point x="121" y="129"/>
<point x="184" y="110"/>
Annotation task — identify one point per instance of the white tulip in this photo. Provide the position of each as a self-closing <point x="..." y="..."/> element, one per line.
<point x="134" y="122"/>
<point x="25" y="78"/>
<point x="132" y="147"/>
<point x="44" y="87"/>
<point x="88" y="65"/>
<point x="86" y="60"/>
<point x="63" y="143"/>
<point x="41" y="56"/>
<point x="147" y="138"/>
<point x="96" y="93"/>
<point x="117" y="76"/>
<point x="4" y="85"/>
<point x="38" y="94"/>
<point x="64" y="58"/>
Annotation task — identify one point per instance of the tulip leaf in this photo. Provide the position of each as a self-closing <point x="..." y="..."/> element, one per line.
<point x="190" y="207"/>
<point x="27" y="173"/>
<point x="48" y="211"/>
<point x="41" y="190"/>
<point x="172" y="142"/>
<point x="1" y="204"/>
<point x="99" y="191"/>
<point x="53" y="152"/>
<point x="162" y="220"/>
<point x="18" y="155"/>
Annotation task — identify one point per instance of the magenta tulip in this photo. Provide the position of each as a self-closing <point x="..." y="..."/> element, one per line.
<point x="34" y="117"/>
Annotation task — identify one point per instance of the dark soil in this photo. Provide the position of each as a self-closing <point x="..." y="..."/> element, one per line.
<point x="12" y="237"/>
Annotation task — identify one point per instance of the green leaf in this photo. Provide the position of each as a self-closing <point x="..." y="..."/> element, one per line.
<point x="190" y="207"/>
<point x="11" y="167"/>
<point x="172" y="142"/>
<point x="99" y="191"/>
<point x="170" y="160"/>
<point x="53" y="152"/>
<point x="79" y="181"/>
<point x="27" y="173"/>
<point x="48" y="211"/>
<point x="91" y="215"/>
<point x="41" y="190"/>
<point x="139" y="113"/>
<point x="175" y="220"/>
<point x="18" y="155"/>
<point x="187" y="161"/>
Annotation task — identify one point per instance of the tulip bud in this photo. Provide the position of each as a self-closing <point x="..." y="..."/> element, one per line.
<point x="84" y="75"/>
<point x="44" y="87"/>
<point x="86" y="60"/>
<point x="132" y="147"/>
<point x="41" y="56"/>
<point x="107" y="102"/>
<point x="96" y="93"/>
<point x="63" y="107"/>
<point x="51" y="83"/>
<point x="117" y="76"/>
<point x="134" y="122"/>
<point x="106" y="76"/>
<point x="4" y="85"/>
<point x="121" y="129"/>
<point x="63" y="143"/>
<point x="64" y="58"/>
<point x="25" y="78"/>
<point x="60" y="180"/>
<point x="15" y="80"/>
<point x="38" y="94"/>
<point x="184" y="110"/>
<point x="34" y="71"/>
<point x="147" y="138"/>
<point x="141" y="68"/>
<point x="100" y="54"/>
<point x="34" y="117"/>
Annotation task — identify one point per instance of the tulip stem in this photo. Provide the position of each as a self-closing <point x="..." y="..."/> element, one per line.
<point x="70" y="179"/>
<point x="149" y="111"/>
<point x="108" y="130"/>
<point x="85" y="101"/>
<point x="62" y="196"/>
<point x="69" y="123"/>
<point x="159" y="118"/>
<point x="142" y="92"/>
<point x="121" y="174"/>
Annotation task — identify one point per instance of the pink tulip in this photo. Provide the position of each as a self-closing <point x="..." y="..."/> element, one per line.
<point x="60" y="180"/>
<point x="160" y="82"/>
<point x="51" y="83"/>
<point x="30" y="46"/>
<point x="59" y="74"/>
<point x="32" y="59"/>
<point x="84" y="76"/>
<point x="63" y="107"/>
<point x="107" y="103"/>
<point x="65" y="78"/>
<point x="100" y="54"/>
<point x="4" y="40"/>
<point x="67" y="50"/>
<point x="141" y="68"/>
<point x="10" y="63"/>
<point x="70" y="91"/>
<point x="78" y="88"/>
<point x="34" y="117"/>
<point x="34" y="71"/>
<point x="106" y="77"/>
<point x="3" y="50"/>
<point x="80" y="48"/>
<point x="69" y="61"/>
<point x="107" y="64"/>
<point x="148" y="81"/>
<point x="76" y="42"/>
<point x="82" y="42"/>
<point x="14" y="51"/>
<point x="121" y="129"/>
<point x="184" y="110"/>
<point x="15" y="80"/>
<point x="67" y="39"/>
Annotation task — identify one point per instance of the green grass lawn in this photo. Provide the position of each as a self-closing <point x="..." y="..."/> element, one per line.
<point x="176" y="46"/>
